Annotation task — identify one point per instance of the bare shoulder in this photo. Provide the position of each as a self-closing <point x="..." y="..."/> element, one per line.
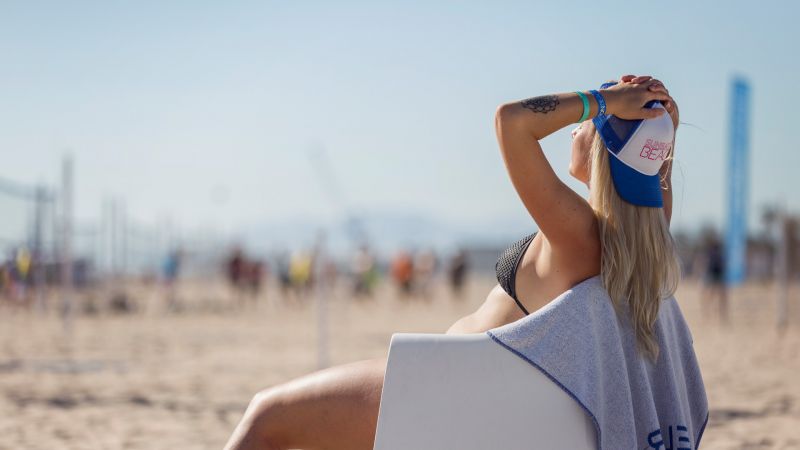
<point x="497" y="310"/>
<point x="577" y="258"/>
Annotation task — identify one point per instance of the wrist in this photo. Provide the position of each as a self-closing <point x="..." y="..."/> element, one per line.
<point x="587" y="105"/>
<point x="601" y="102"/>
<point x="611" y="101"/>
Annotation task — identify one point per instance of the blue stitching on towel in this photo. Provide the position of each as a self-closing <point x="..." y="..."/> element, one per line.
<point x="702" y="429"/>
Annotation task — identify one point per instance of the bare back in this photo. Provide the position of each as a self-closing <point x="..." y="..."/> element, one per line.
<point x="543" y="273"/>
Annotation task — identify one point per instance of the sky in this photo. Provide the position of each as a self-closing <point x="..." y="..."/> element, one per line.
<point x="209" y="114"/>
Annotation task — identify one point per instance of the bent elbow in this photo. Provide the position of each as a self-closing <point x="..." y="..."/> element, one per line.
<point x="503" y="114"/>
<point x="507" y="117"/>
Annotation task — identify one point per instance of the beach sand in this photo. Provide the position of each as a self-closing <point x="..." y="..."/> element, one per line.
<point x="181" y="380"/>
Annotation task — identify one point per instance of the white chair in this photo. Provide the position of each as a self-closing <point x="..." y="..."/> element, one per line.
<point x="467" y="392"/>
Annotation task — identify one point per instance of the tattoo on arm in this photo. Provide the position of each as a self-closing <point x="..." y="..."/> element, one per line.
<point x="543" y="104"/>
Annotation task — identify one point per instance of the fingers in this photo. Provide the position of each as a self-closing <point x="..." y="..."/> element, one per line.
<point x="651" y="83"/>
<point x="652" y="113"/>
<point x="657" y="86"/>
<point x="661" y="96"/>
<point x="671" y="107"/>
<point x="664" y="98"/>
<point x="641" y="79"/>
<point x="648" y="89"/>
<point x="633" y="79"/>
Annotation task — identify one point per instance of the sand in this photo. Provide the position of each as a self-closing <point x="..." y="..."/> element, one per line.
<point x="159" y="380"/>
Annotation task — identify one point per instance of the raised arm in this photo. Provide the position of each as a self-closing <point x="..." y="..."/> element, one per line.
<point x="562" y="215"/>
<point x="559" y="211"/>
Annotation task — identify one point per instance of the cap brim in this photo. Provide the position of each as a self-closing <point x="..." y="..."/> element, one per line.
<point x="635" y="187"/>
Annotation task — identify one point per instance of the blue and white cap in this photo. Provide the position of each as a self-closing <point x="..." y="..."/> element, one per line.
<point x="637" y="150"/>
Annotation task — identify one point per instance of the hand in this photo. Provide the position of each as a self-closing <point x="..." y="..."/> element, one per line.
<point x="669" y="105"/>
<point x="658" y="86"/>
<point x="627" y="98"/>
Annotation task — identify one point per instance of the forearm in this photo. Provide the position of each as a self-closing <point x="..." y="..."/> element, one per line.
<point x="550" y="202"/>
<point x="543" y="115"/>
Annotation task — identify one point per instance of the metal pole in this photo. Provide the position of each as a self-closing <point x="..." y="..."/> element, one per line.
<point x="114" y="240"/>
<point x="105" y="238"/>
<point x="123" y="228"/>
<point x="320" y="281"/>
<point x="66" y="242"/>
<point x="782" y="272"/>
<point x="38" y="252"/>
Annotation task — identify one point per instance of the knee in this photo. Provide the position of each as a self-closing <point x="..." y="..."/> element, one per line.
<point x="260" y="425"/>
<point x="264" y="404"/>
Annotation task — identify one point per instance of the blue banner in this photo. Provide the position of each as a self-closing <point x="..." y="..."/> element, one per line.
<point x="738" y="183"/>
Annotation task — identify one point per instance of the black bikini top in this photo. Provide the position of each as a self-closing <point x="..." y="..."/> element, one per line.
<point x="506" y="267"/>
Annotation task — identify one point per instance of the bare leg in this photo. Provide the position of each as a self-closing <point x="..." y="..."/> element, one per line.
<point x="335" y="408"/>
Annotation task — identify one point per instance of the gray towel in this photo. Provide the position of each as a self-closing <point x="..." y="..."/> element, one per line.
<point x="589" y="351"/>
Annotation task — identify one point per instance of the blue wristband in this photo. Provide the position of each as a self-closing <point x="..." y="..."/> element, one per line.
<point x="601" y="102"/>
<point x="585" y="106"/>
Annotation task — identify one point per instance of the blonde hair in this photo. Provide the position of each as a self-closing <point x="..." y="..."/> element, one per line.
<point x="639" y="264"/>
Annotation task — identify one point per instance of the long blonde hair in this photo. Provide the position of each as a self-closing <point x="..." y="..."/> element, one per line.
<point x="639" y="263"/>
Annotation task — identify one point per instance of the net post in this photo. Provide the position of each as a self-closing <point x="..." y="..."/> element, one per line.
<point x="320" y="282"/>
<point x="66" y="242"/>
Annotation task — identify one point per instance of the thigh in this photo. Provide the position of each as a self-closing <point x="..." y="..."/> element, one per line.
<point x="335" y="408"/>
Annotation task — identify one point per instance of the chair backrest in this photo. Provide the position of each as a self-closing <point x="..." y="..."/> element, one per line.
<point x="466" y="392"/>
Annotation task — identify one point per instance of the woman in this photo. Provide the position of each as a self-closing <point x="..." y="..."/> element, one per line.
<point x="337" y="408"/>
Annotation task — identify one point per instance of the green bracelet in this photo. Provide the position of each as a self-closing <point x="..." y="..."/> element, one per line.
<point x="585" y="106"/>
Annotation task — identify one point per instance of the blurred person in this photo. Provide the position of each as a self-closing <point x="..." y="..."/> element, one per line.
<point x="715" y="289"/>
<point x="19" y="266"/>
<point x="256" y="274"/>
<point x="301" y="266"/>
<point x="403" y="272"/>
<point x="170" y="270"/>
<point x="236" y="269"/>
<point x="330" y="273"/>
<point x="458" y="272"/>
<point x="424" y="271"/>
<point x="362" y="268"/>
<point x="615" y="246"/>
<point x="760" y="256"/>
<point x="792" y="232"/>
<point x="284" y="279"/>
<point x="23" y="266"/>
<point x="6" y="280"/>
